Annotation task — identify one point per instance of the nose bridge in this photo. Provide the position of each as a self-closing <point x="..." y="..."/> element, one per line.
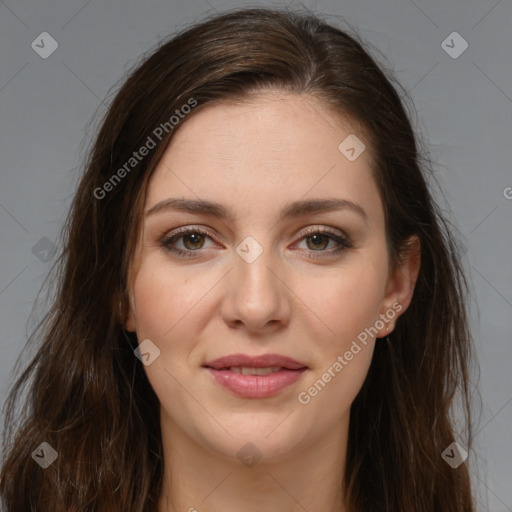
<point x="253" y="268"/>
<point x="256" y="296"/>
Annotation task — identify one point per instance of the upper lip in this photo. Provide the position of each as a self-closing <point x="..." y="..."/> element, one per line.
<point x="263" y="361"/>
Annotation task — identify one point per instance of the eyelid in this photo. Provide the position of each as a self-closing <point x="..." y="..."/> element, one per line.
<point x="323" y="230"/>
<point x="190" y="229"/>
<point x="307" y="231"/>
<point x="185" y="230"/>
<point x="340" y="237"/>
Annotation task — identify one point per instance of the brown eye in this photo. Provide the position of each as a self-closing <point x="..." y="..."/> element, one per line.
<point x="318" y="242"/>
<point x="193" y="241"/>
<point x="322" y="242"/>
<point x="187" y="241"/>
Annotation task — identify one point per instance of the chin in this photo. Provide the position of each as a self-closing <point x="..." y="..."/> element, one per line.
<point x="262" y="436"/>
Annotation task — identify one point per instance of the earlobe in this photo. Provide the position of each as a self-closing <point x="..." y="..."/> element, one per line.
<point x="401" y="283"/>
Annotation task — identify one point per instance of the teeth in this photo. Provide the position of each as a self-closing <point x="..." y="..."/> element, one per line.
<point x="255" y="371"/>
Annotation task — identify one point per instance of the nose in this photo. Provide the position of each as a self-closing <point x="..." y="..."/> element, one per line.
<point x="257" y="297"/>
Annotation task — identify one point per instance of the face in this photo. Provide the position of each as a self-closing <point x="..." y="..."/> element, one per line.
<point x="262" y="275"/>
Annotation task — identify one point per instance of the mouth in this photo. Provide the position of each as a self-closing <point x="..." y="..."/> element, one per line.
<point x="255" y="377"/>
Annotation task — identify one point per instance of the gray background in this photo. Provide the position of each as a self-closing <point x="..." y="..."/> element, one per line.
<point x="465" y="115"/>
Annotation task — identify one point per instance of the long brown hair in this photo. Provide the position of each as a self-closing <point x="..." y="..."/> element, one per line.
<point x="88" y="396"/>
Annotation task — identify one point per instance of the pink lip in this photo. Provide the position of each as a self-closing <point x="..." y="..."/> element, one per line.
<point x="255" y="386"/>
<point x="255" y="361"/>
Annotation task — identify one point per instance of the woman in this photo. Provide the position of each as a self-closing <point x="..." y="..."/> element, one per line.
<point x="259" y="306"/>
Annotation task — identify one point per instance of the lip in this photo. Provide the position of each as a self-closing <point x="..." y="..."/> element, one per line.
<point x="255" y="386"/>
<point x="262" y="361"/>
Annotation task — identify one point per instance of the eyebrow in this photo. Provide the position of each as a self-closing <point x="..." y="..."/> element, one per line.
<point x="291" y="210"/>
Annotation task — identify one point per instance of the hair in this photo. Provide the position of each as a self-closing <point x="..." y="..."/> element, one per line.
<point x="89" y="397"/>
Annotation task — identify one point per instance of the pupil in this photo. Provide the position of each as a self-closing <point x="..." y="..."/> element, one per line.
<point x="317" y="240"/>
<point x="194" y="238"/>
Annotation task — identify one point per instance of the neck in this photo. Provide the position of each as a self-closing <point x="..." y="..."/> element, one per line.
<point x="198" y="478"/>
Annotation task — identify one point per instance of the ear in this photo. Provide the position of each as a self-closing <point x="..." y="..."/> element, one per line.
<point x="401" y="283"/>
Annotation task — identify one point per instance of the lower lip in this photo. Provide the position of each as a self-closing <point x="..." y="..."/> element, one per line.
<point x="256" y="386"/>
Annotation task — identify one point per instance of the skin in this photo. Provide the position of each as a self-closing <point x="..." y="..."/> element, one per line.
<point x="254" y="157"/>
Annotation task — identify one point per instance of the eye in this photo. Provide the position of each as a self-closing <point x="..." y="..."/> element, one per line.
<point x="318" y="239"/>
<point x="191" y="238"/>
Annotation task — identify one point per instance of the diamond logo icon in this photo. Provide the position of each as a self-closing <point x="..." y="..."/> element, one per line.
<point x="454" y="455"/>
<point x="44" y="45"/>
<point x="454" y="45"/>
<point x="351" y="147"/>
<point x="44" y="455"/>
<point x="44" y="249"/>
<point x="249" y="455"/>
<point x="147" y="352"/>
<point x="249" y="249"/>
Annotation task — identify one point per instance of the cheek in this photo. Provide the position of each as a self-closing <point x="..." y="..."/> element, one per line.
<point x="347" y="301"/>
<point x="350" y="309"/>
<point x="163" y="299"/>
<point x="328" y="396"/>
<point x="165" y="302"/>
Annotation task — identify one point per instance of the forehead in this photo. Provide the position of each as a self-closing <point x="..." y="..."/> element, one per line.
<point x="280" y="146"/>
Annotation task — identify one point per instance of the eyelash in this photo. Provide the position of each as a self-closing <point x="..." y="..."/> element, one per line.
<point x="343" y="241"/>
